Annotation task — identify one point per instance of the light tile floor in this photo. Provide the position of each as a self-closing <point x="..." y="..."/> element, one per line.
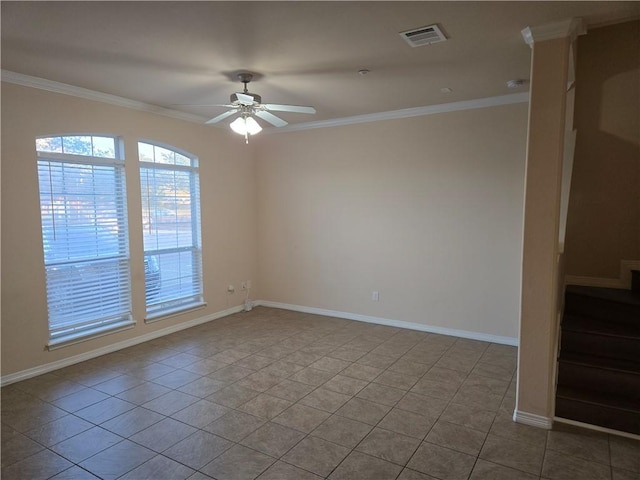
<point x="278" y="395"/>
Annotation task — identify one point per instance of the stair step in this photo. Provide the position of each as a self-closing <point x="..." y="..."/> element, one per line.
<point x="604" y="363"/>
<point x="600" y="398"/>
<point x="606" y="304"/>
<point x="582" y="324"/>
<point x="597" y="337"/>
<point x="598" y="409"/>
<point x="618" y="295"/>
<point x="600" y="375"/>
<point x="608" y="345"/>
<point x="599" y="362"/>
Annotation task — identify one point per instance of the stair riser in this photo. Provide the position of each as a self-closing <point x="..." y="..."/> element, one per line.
<point x="597" y="308"/>
<point x="603" y="416"/>
<point x="598" y="380"/>
<point x="601" y="345"/>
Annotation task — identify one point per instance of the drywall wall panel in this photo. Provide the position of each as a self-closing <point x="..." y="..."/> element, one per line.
<point x="603" y="222"/>
<point x="228" y="214"/>
<point x="426" y="211"/>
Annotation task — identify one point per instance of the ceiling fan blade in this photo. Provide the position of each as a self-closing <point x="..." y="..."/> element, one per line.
<point x="271" y="118"/>
<point x="222" y="116"/>
<point x="228" y="105"/>
<point x="288" y="108"/>
<point x="244" y="98"/>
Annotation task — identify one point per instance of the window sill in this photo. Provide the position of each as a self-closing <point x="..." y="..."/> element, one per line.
<point x="155" y="317"/>
<point x="79" y="337"/>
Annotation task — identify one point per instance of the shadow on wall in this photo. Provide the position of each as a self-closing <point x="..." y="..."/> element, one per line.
<point x="603" y="223"/>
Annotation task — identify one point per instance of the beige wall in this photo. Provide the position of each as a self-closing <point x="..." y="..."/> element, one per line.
<point x="227" y="178"/>
<point x="427" y="211"/>
<point x="603" y="223"/>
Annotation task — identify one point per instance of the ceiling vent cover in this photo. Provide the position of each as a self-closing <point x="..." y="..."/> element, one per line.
<point x="423" y="36"/>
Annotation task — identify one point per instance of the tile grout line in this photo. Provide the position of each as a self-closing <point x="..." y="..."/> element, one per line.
<point x="337" y="335"/>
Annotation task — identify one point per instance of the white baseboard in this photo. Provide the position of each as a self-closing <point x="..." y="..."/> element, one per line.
<point x="485" y="337"/>
<point x="533" y="420"/>
<point x="65" y="362"/>
<point x="596" y="428"/>
<point x="622" y="282"/>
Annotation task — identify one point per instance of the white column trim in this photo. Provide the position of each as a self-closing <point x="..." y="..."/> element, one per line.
<point x="533" y="420"/>
<point x="571" y="27"/>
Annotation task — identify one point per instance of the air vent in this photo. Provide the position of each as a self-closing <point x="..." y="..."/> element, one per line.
<point x="423" y="36"/>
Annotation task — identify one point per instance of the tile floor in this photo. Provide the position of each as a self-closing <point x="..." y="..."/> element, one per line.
<point x="278" y="395"/>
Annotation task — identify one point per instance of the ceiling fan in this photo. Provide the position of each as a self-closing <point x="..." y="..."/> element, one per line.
<point x="249" y="105"/>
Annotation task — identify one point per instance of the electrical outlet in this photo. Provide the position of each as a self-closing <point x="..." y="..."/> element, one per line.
<point x="231" y="289"/>
<point x="243" y="286"/>
<point x="375" y="296"/>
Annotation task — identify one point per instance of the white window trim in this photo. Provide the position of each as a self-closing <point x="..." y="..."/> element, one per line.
<point x="155" y="316"/>
<point x="78" y="159"/>
<point x="79" y="337"/>
<point x="182" y="309"/>
<point x="126" y="321"/>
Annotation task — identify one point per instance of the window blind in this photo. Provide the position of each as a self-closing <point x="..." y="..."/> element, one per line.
<point x="84" y="232"/>
<point x="171" y="229"/>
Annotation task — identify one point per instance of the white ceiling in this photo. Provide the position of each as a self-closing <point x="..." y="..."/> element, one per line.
<point x="307" y="53"/>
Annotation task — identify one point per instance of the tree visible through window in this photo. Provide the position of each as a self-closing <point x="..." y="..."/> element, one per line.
<point x="169" y="184"/>
<point x="84" y="233"/>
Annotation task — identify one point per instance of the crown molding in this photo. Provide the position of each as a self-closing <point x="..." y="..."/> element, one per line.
<point x="71" y="90"/>
<point x="409" y="112"/>
<point x="65" y="89"/>
<point x="571" y="27"/>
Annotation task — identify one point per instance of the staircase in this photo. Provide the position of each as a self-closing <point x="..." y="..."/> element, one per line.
<point x="599" y="362"/>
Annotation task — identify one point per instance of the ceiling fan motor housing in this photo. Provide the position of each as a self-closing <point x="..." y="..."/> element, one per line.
<point x="250" y="104"/>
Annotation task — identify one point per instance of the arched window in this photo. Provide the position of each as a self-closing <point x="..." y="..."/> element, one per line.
<point x="169" y="184"/>
<point x="84" y="232"/>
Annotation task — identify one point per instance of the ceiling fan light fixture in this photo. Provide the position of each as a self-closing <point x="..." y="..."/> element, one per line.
<point x="249" y="105"/>
<point x="245" y="126"/>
